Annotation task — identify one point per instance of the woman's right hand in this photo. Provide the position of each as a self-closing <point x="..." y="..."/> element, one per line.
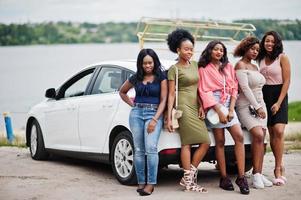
<point x="169" y="126"/>
<point x="222" y="117"/>
<point x="260" y="112"/>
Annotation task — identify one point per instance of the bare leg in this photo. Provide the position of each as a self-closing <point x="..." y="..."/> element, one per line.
<point x="257" y="148"/>
<point x="219" y="137"/>
<point x="277" y="145"/>
<point x="199" y="154"/>
<point x="185" y="156"/>
<point x="239" y="148"/>
<point x="264" y="134"/>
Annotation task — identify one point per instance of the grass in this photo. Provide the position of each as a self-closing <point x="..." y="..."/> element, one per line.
<point x="293" y="137"/>
<point x="294" y="111"/>
<point x="291" y="142"/>
<point x="18" y="141"/>
<point x="288" y="146"/>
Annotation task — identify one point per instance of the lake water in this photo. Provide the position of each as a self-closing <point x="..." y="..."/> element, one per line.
<point x="27" y="71"/>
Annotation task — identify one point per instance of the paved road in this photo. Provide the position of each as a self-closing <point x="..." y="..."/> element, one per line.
<point x="62" y="178"/>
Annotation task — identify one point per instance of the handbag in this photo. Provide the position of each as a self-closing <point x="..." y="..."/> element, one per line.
<point x="175" y="112"/>
<point x="212" y="115"/>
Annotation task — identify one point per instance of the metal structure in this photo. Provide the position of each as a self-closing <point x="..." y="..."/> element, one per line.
<point x="157" y="29"/>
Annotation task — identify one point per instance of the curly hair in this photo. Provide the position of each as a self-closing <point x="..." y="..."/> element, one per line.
<point x="175" y="38"/>
<point x="205" y="57"/>
<point x="245" y="45"/>
<point x="158" y="69"/>
<point x="277" y="49"/>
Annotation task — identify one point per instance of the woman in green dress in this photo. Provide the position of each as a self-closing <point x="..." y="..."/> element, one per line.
<point x="192" y="126"/>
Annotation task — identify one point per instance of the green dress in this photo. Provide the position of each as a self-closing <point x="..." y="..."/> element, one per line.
<point x="192" y="129"/>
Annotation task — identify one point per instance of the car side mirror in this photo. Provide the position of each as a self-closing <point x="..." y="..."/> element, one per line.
<point x="50" y="93"/>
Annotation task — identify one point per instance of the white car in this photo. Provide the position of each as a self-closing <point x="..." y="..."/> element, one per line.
<point x="86" y="118"/>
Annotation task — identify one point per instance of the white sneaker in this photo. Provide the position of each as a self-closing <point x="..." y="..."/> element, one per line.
<point x="266" y="182"/>
<point x="257" y="181"/>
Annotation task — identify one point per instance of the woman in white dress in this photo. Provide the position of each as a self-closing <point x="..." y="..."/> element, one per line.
<point x="250" y="105"/>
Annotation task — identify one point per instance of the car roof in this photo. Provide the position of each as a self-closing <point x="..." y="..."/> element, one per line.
<point x="131" y="63"/>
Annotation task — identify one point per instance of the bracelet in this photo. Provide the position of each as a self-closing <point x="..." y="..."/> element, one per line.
<point x="155" y="119"/>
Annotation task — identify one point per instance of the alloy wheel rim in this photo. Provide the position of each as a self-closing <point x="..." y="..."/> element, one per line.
<point x="33" y="140"/>
<point x="123" y="158"/>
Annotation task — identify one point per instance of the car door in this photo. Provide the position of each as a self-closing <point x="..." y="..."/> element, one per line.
<point x="61" y="115"/>
<point x="96" y="113"/>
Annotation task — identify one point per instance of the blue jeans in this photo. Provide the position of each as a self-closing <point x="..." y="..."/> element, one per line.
<point x="145" y="144"/>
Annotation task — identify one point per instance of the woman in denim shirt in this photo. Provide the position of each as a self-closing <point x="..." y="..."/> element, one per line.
<point x="146" y="118"/>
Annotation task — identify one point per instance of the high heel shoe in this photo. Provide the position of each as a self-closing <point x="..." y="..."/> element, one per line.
<point x="282" y="170"/>
<point x="278" y="181"/>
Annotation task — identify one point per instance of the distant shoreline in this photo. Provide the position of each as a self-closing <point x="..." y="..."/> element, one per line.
<point x="113" y="32"/>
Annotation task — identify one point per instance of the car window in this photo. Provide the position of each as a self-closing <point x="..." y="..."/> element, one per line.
<point x="78" y="88"/>
<point x="109" y="80"/>
<point x="129" y="74"/>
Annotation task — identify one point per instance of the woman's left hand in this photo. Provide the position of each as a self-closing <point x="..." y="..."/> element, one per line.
<point x="230" y="115"/>
<point x="275" y="108"/>
<point x="260" y="112"/>
<point x="151" y="126"/>
<point x="201" y="113"/>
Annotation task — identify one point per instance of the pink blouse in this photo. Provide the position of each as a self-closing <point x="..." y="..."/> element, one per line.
<point x="213" y="80"/>
<point x="273" y="72"/>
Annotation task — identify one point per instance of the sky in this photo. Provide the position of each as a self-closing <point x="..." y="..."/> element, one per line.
<point x="99" y="11"/>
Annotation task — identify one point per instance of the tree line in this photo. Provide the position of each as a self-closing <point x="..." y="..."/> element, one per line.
<point x="71" y="33"/>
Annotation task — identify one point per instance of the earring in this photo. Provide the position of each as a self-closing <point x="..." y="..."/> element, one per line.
<point x="178" y="53"/>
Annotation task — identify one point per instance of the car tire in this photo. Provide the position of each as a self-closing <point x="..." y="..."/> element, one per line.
<point x="122" y="158"/>
<point x="36" y="142"/>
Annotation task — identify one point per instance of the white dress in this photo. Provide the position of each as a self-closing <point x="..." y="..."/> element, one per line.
<point x="250" y="93"/>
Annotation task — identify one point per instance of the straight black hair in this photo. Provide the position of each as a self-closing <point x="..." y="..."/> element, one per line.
<point x="158" y="69"/>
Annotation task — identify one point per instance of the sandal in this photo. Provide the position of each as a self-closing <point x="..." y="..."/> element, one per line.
<point x="196" y="188"/>
<point x="188" y="182"/>
<point x="186" y="178"/>
<point x="283" y="178"/>
<point x="278" y="181"/>
<point x="282" y="169"/>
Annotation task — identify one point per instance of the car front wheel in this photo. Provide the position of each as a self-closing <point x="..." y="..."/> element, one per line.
<point x="37" y="148"/>
<point x="122" y="158"/>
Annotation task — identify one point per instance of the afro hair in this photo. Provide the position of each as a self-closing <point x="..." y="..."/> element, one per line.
<point x="175" y="38"/>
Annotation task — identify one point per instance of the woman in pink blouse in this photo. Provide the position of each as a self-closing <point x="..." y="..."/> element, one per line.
<point x="218" y="87"/>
